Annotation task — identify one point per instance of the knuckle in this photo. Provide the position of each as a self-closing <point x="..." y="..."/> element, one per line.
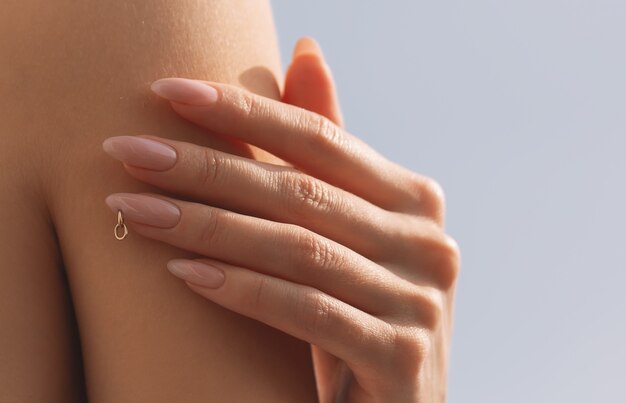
<point x="310" y="193"/>
<point x="433" y="191"/>
<point x="210" y="229"/>
<point x="448" y="260"/>
<point x="429" y="195"/>
<point x="436" y="253"/>
<point x="319" y="255"/>
<point x="213" y="168"/>
<point x="426" y="306"/>
<point x="314" y="311"/>
<point x="325" y="133"/>
<point x="412" y="348"/>
<point x="250" y="105"/>
<point x="259" y="290"/>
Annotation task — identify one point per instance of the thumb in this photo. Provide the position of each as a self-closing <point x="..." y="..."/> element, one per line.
<point x="309" y="83"/>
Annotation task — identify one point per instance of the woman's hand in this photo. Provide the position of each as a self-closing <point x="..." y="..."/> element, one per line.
<point x="343" y="249"/>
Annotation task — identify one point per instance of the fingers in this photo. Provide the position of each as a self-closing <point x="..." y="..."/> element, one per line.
<point x="282" y="250"/>
<point x="301" y="311"/>
<point x="309" y="83"/>
<point x="260" y="189"/>
<point x="311" y="142"/>
<point x="412" y="246"/>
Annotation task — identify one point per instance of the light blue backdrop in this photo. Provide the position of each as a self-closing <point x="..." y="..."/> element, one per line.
<point x="518" y="108"/>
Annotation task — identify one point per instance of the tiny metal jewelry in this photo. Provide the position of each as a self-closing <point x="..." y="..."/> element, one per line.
<point x="120" y="224"/>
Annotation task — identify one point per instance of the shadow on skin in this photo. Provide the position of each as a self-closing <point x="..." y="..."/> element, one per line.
<point x="260" y="80"/>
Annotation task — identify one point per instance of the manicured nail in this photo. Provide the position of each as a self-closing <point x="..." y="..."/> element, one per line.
<point x="184" y="90"/>
<point x="140" y="152"/>
<point x="196" y="272"/>
<point x="144" y="209"/>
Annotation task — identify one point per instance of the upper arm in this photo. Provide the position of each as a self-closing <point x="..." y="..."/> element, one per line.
<point x="39" y="350"/>
<point x="145" y="336"/>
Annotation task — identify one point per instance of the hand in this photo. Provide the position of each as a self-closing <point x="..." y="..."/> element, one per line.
<point x="344" y="249"/>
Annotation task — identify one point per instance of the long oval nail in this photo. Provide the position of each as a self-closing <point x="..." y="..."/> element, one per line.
<point x="196" y="272"/>
<point x="144" y="209"/>
<point x="185" y="90"/>
<point x="141" y="152"/>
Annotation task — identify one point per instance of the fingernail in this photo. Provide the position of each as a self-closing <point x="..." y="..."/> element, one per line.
<point x="196" y="272"/>
<point x="140" y="152"/>
<point x="144" y="209"/>
<point x="184" y="90"/>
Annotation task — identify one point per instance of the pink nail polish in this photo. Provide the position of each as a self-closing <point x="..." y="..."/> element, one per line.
<point x="144" y="209"/>
<point x="141" y="152"/>
<point x="184" y="90"/>
<point x="196" y="272"/>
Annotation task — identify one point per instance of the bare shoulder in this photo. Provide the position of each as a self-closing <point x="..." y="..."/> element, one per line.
<point x="144" y="335"/>
<point x="39" y="348"/>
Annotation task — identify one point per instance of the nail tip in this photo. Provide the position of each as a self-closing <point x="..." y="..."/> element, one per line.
<point x="157" y="84"/>
<point x="185" y="90"/>
<point x="156" y="87"/>
<point x="112" y="200"/>
<point x="109" y="202"/>
<point x="173" y="266"/>
<point x="106" y="144"/>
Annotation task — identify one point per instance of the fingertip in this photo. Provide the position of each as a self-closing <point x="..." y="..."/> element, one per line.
<point x="309" y="84"/>
<point x="306" y="45"/>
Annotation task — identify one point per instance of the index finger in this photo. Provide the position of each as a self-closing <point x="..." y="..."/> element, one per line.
<point x="311" y="142"/>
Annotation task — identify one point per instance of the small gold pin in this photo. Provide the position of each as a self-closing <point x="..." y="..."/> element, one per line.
<point x="120" y="224"/>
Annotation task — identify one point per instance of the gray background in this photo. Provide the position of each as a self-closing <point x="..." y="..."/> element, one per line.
<point x="518" y="108"/>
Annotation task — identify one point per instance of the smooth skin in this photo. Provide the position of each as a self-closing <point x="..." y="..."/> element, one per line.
<point x="75" y="303"/>
<point x="336" y="246"/>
